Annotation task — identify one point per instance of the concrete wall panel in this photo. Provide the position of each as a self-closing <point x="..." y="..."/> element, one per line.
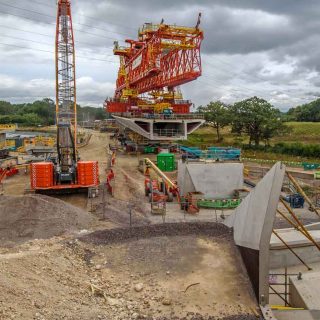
<point x="253" y="220"/>
<point x="185" y="182"/>
<point x="257" y="210"/>
<point x="214" y="180"/>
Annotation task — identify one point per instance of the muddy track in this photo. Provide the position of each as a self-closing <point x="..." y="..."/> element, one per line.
<point x="210" y="229"/>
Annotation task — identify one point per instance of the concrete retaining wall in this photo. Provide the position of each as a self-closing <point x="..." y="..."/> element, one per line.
<point x="214" y="180"/>
<point x="280" y="258"/>
<point x="253" y="222"/>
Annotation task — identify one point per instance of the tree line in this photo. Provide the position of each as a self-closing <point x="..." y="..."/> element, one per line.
<point x="257" y="118"/>
<point x="42" y="112"/>
<point x="309" y="112"/>
<point x="254" y="117"/>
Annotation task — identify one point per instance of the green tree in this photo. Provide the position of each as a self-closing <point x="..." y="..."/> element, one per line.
<point x="6" y="108"/>
<point x="32" y="119"/>
<point x="216" y="114"/>
<point x="100" y="114"/>
<point x="309" y="112"/>
<point x="42" y="112"/>
<point x="257" y="118"/>
<point x="45" y="109"/>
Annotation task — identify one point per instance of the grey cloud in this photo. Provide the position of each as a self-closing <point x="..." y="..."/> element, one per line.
<point x="230" y="26"/>
<point x="313" y="94"/>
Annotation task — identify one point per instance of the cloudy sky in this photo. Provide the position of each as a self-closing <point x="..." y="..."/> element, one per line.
<point x="252" y="47"/>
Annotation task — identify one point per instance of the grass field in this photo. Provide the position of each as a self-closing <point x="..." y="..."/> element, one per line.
<point x="303" y="132"/>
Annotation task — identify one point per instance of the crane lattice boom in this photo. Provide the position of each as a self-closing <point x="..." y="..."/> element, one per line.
<point x="66" y="112"/>
<point x="65" y="65"/>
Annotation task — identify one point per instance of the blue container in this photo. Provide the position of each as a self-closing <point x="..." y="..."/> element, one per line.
<point x="296" y="200"/>
<point x="221" y="153"/>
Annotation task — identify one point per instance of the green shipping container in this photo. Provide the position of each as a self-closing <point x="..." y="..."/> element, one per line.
<point x="166" y="161"/>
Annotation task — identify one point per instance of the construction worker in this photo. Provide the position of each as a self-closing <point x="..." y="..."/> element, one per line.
<point x="110" y="177"/>
<point x="184" y="157"/>
<point x="147" y="172"/>
<point x="113" y="158"/>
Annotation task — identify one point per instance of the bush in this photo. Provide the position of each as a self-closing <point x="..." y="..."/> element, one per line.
<point x="294" y="149"/>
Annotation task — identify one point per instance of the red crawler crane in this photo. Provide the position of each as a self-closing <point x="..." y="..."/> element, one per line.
<point x="151" y="68"/>
<point x="65" y="173"/>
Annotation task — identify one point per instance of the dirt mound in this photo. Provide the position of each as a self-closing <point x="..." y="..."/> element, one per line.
<point x="117" y="212"/>
<point x="38" y="217"/>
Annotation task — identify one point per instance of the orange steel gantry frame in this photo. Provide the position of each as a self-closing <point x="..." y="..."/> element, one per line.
<point x="163" y="57"/>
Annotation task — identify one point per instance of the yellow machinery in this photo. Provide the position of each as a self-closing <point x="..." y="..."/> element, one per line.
<point x="3" y="143"/>
<point x="170" y="184"/>
<point x="6" y="127"/>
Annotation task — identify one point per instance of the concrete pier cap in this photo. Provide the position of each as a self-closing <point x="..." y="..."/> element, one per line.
<point x="176" y="128"/>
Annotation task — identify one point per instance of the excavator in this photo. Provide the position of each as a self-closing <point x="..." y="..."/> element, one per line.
<point x="65" y="172"/>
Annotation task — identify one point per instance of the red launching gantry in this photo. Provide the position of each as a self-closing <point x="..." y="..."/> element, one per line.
<point x="151" y="71"/>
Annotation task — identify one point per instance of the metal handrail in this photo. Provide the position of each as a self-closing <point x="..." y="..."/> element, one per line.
<point x="159" y="116"/>
<point x="182" y="101"/>
<point x="167" y="132"/>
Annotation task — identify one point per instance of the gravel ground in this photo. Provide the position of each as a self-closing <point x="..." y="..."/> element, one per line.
<point x="94" y="276"/>
<point x="200" y="317"/>
<point x="166" y="229"/>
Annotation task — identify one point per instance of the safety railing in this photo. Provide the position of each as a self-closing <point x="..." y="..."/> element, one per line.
<point x="159" y="116"/>
<point x="167" y="132"/>
<point x="182" y="101"/>
<point x="281" y="281"/>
